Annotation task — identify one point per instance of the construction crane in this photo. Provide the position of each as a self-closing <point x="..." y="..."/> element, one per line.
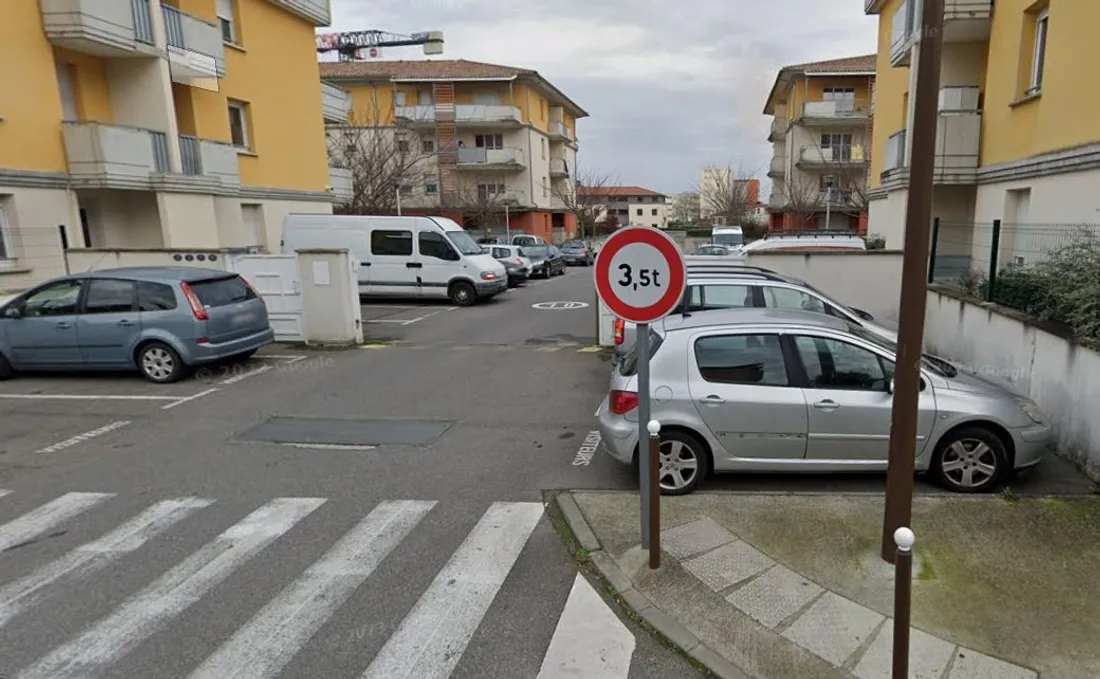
<point x="357" y="45"/>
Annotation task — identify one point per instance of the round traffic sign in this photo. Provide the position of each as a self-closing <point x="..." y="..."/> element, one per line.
<point x="640" y="274"/>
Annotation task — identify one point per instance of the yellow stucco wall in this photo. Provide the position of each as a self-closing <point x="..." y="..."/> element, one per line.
<point x="1064" y="115"/>
<point x="30" y="104"/>
<point x="891" y="88"/>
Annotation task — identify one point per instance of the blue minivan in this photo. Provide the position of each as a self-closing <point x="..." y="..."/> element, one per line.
<point x="160" y="320"/>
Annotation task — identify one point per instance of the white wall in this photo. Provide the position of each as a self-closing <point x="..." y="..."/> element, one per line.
<point x="32" y="217"/>
<point x="1059" y="376"/>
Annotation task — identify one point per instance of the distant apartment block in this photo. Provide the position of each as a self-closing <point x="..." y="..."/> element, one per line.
<point x="629" y="205"/>
<point x="717" y="185"/>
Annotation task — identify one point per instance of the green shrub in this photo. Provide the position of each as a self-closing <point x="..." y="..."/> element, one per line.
<point x="875" y="242"/>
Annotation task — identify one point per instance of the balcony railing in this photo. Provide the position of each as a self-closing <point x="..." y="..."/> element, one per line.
<point x="464" y="113"/>
<point x="336" y="103"/>
<point x="959" y="98"/>
<point x="815" y="155"/>
<point x="191" y="155"/>
<point x="318" y="12"/>
<point x="967" y="20"/>
<point x="119" y="28"/>
<point x="481" y="157"/>
<point x="777" y="167"/>
<point x="559" y="131"/>
<point x="113" y="156"/>
<point x="903" y="29"/>
<point x="196" y="52"/>
<point x="340" y="180"/>
<point x="837" y="110"/>
<point x="896" y="151"/>
<point x="210" y="159"/>
<point x="559" y="168"/>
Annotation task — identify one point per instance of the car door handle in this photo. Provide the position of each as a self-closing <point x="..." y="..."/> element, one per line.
<point x="62" y="325"/>
<point x="125" y="323"/>
<point x="712" y="400"/>
<point x="413" y="265"/>
<point x="827" y="404"/>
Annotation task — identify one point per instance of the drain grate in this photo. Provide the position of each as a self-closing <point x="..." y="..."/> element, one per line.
<point x="336" y="432"/>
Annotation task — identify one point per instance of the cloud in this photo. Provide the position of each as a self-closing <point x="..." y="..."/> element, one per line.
<point x="671" y="85"/>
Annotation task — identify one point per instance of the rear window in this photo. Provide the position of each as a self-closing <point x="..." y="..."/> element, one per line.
<point x="629" y="366"/>
<point x="222" y="291"/>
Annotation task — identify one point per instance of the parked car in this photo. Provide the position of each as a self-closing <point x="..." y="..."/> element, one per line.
<point x="546" y="260"/>
<point x="807" y="241"/>
<point x="577" y="252"/>
<point x="713" y="250"/>
<point x="765" y="390"/>
<point x="161" y="321"/>
<point x="524" y="240"/>
<point x="404" y="256"/>
<point x="514" y="260"/>
<point x="711" y="287"/>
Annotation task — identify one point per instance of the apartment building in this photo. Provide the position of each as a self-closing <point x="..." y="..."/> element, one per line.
<point x="629" y="205"/>
<point x="153" y="124"/>
<point x="820" y="133"/>
<point x="1017" y="135"/>
<point x="720" y="186"/>
<point x="486" y="137"/>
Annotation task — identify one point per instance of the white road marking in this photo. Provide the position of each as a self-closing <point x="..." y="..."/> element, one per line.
<point x="147" y="612"/>
<point x="93" y="556"/>
<point x="192" y="397"/>
<point x="294" y="356"/>
<point x="587" y="450"/>
<point x="590" y="640"/>
<point x="88" y="397"/>
<point x="246" y="375"/>
<point x="329" y="446"/>
<point x="262" y="648"/>
<point x="44" y="518"/>
<point x="4" y="492"/>
<point x="86" y="436"/>
<point x="432" y="638"/>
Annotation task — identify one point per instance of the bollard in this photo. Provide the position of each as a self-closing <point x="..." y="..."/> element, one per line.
<point x="654" y="428"/>
<point x="903" y="588"/>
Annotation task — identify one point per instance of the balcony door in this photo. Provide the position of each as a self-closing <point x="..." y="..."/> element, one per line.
<point x="836" y="147"/>
<point x="844" y="98"/>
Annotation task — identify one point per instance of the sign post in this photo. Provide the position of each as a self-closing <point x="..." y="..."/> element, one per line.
<point x="640" y="276"/>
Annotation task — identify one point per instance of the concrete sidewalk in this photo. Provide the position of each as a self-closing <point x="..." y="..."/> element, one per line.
<point x="742" y="609"/>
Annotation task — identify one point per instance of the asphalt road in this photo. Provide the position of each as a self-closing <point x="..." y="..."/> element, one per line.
<point x="165" y="531"/>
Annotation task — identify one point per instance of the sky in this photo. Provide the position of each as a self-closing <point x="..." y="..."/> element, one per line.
<point x="669" y="85"/>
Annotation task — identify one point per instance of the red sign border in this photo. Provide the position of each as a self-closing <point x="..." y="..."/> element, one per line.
<point x="677" y="268"/>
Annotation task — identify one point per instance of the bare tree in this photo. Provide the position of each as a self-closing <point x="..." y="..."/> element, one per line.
<point x="847" y="180"/>
<point x="726" y="194"/>
<point x="482" y="201"/>
<point x="802" y="198"/>
<point x="381" y="158"/>
<point x="685" y="207"/>
<point x="583" y="198"/>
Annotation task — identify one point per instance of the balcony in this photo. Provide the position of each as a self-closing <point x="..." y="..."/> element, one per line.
<point x="318" y="12"/>
<point x="340" y="183"/>
<point x="507" y="159"/>
<point x="843" y="112"/>
<point x="113" y="156"/>
<point x="559" y="132"/>
<point x="778" y="129"/>
<point x="559" y="169"/>
<point x="336" y="104"/>
<point x="196" y="54"/>
<point x="118" y="29"/>
<point x="958" y="140"/>
<point x="777" y="167"/>
<point x="967" y="20"/>
<point x="903" y="30"/>
<point x="814" y="156"/>
<point x="212" y="160"/>
<point x="896" y="157"/>
<point x="479" y="115"/>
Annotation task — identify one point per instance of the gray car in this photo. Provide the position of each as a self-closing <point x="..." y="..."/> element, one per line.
<point x="158" y="320"/>
<point x="760" y="390"/>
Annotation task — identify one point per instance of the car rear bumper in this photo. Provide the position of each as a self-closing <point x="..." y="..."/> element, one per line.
<point x="197" y="354"/>
<point x="618" y="435"/>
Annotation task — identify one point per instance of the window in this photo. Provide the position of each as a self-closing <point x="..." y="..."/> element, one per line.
<point x="720" y="297"/>
<point x="654" y="212"/>
<point x="431" y="187"/>
<point x="226" y="20"/>
<point x="238" y="124"/>
<point x="545" y="187"/>
<point x="155" y="297"/>
<point x="435" y="245"/>
<point x="787" y="298"/>
<point x="485" y="192"/>
<point x="742" y="359"/>
<point x="402" y="145"/>
<point x="57" y="299"/>
<point x="109" y="296"/>
<point x="398" y="98"/>
<point x="832" y="364"/>
<point x="840" y="145"/>
<point x="639" y="212"/>
<point x="1039" y="57"/>
<point x="6" y="252"/>
<point x="501" y="253"/>
<point x="489" y="141"/>
<point x="389" y="242"/>
<point x="215" y="292"/>
<point x="405" y="189"/>
<point x="427" y="146"/>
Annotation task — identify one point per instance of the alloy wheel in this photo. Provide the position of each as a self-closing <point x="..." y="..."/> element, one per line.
<point x="679" y="465"/>
<point x="969" y="463"/>
<point x="157" y="363"/>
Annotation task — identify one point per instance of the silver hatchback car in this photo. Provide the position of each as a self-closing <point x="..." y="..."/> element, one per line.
<point x="764" y="390"/>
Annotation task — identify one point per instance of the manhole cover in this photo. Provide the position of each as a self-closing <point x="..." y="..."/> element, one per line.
<point x="334" y="432"/>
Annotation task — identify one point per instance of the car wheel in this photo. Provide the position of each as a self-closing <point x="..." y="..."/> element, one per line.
<point x="160" y="363"/>
<point x="5" y="368"/>
<point x="244" y="356"/>
<point x="463" y="294"/>
<point x="683" y="463"/>
<point x="970" y="460"/>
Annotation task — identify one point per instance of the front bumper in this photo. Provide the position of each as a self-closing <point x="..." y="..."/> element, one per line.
<point x="518" y="274"/>
<point x="1031" y="444"/>
<point x="618" y="435"/>
<point x="490" y="288"/>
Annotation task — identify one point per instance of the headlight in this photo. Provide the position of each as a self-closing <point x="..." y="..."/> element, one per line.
<point x="1032" y="411"/>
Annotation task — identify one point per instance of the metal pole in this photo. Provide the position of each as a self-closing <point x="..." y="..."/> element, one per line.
<point x="935" y="246"/>
<point x="642" y="343"/>
<point x="903" y="590"/>
<point x="918" y="219"/>
<point x="397" y="190"/>
<point x="828" y="205"/>
<point x="507" y="226"/>
<point x="994" y="255"/>
<point x="654" y="428"/>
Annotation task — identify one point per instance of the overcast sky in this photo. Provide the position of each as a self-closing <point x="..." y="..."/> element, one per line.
<point x="669" y="85"/>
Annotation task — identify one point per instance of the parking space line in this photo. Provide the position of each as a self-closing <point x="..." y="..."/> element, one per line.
<point x="4" y="492"/>
<point x="192" y="397"/>
<point x="89" y="397"/>
<point x="589" y="350"/>
<point x="80" y="438"/>
<point x="295" y="356"/>
<point x="250" y="373"/>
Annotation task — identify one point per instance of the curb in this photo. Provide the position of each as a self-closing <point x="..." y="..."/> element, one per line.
<point x="639" y="602"/>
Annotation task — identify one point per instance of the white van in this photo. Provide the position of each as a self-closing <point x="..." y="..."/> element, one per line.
<point x="526" y="240"/>
<point x="732" y="237"/>
<point x="403" y="256"/>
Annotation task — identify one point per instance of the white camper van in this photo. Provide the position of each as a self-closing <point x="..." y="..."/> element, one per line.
<point x="403" y="256"/>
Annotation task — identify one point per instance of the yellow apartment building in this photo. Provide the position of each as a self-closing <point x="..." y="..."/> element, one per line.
<point x="1018" y="137"/>
<point x="154" y="124"/>
<point x="820" y="134"/>
<point x="487" y="134"/>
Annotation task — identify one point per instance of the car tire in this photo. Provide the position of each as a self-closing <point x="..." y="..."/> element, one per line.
<point x="965" y="451"/>
<point x="244" y="356"/>
<point x="462" y="294"/>
<point x="688" y="443"/>
<point x="5" y="368"/>
<point x="160" y="363"/>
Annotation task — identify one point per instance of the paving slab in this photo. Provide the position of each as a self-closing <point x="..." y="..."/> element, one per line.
<point x="928" y="655"/>
<point x="728" y="565"/>
<point x="834" y="628"/>
<point x="973" y="665"/>
<point x="774" y="596"/>
<point x="694" y="538"/>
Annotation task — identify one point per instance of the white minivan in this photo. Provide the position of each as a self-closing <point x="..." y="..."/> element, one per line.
<point x="403" y="256"/>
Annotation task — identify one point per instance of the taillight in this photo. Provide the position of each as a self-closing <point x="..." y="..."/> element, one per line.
<point x="252" y="288"/>
<point x="519" y="261"/>
<point x="622" y="402"/>
<point x="197" y="309"/>
<point x="620" y="329"/>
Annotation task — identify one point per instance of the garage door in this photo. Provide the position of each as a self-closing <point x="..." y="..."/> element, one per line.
<point x="277" y="279"/>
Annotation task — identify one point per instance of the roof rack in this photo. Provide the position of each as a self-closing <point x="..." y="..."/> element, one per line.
<point x="763" y="274"/>
<point x="725" y="267"/>
<point x="814" y="233"/>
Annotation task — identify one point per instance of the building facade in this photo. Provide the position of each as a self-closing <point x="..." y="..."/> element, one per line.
<point x="1017" y="138"/>
<point x="821" y="134"/>
<point x="629" y="205"/>
<point x="486" y="142"/>
<point x="155" y="124"/>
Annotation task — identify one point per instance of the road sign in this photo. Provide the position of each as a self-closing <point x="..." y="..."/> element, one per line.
<point x="640" y="274"/>
<point x="559" y="305"/>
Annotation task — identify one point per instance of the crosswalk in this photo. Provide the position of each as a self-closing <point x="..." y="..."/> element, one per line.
<point x="429" y="642"/>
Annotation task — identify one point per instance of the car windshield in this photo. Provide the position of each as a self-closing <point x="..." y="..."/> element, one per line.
<point x="535" y="251"/>
<point x="464" y="243"/>
<point x="727" y="239"/>
<point x="930" y="363"/>
<point x="573" y="246"/>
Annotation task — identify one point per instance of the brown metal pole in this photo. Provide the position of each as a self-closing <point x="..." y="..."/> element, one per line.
<point x="654" y="495"/>
<point x="918" y="219"/>
<point x="903" y="589"/>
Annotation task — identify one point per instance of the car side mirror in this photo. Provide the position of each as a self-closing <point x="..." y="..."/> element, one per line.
<point x="13" y="311"/>
<point x="890" y="386"/>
